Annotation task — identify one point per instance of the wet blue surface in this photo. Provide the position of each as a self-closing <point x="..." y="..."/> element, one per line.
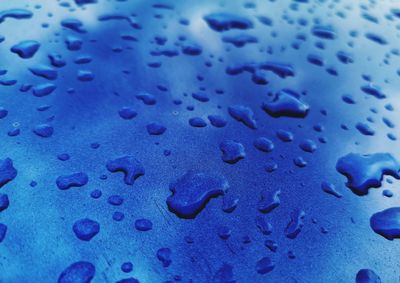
<point x="199" y="141"/>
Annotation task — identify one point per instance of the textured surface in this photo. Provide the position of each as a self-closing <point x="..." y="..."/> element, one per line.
<point x="163" y="85"/>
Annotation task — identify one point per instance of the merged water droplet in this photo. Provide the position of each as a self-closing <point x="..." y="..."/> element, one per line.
<point x="232" y="151"/>
<point x="225" y="21"/>
<point x="193" y="191"/>
<point x="286" y="103"/>
<point x="65" y="182"/>
<point x="128" y="165"/>
<point x="366" y="171"/>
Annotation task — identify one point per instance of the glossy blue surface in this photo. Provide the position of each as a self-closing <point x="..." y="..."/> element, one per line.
<point x="199" y="141"/>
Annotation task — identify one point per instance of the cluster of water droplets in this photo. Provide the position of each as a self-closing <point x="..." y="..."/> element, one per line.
<point x="273" y="119"/>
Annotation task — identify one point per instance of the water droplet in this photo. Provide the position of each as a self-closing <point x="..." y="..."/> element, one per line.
<point x="364" y="171"/>
<point x="387" y="223"/>
<point x="85" y="229"/>
<point x="192" y="191"/>
<point x="232" y="151"/>
<point x="65" y="182"/>
<point x="81" y="271"/>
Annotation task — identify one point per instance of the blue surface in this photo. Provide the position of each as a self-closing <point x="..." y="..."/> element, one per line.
<point x="199" y="141"/>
